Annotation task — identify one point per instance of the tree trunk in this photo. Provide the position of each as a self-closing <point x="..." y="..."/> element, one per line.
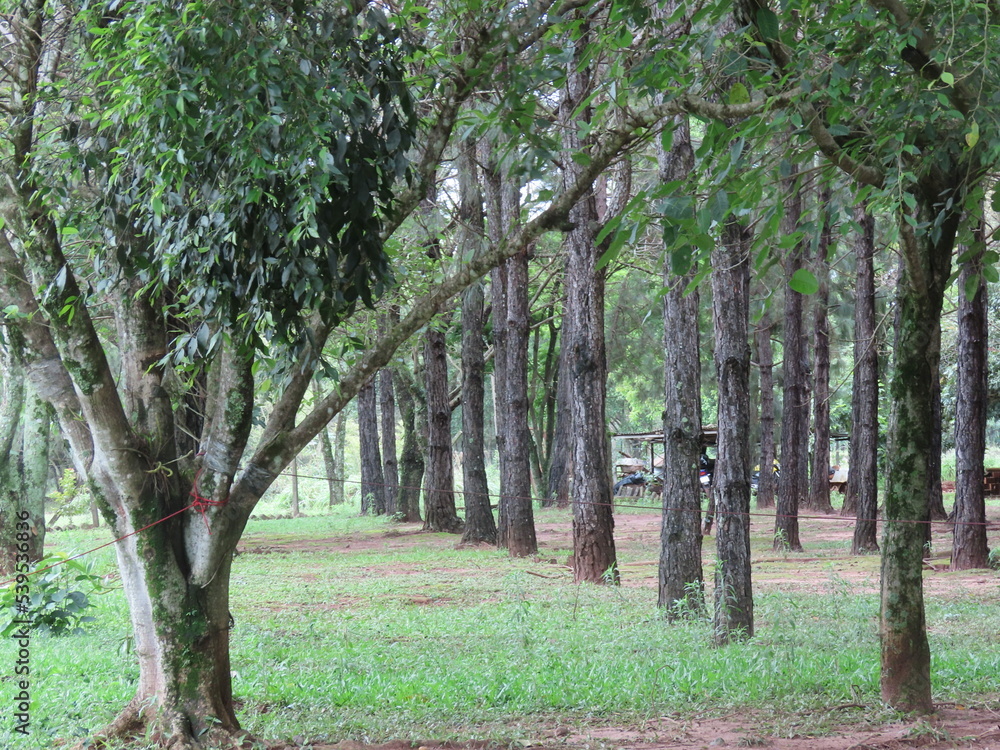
<point x="819" y="493"/>
<point x="969" y="546"/>
<point x="926" y="262"/>
<point x="24" y="451"/>
<point x="681" y="579"/>
<point x="935" y="498"/>
<point x="326" y="451"/>
<point x="387" y="411"/>
<point x="372" y="480"/>
<point x="561" y="461"/>
<point x="411" y="457"/>
<point x="862" y="477"/>
<point x="793" y="487"/>
<point x="182" y="642"/>
<point x="439" y="489"/>
<point x="509" y="291"/>
<point x="295" y="488"/>
<point x="733" y="615"/>
<point x="766" y="484"/>
<point x="594" y="555"/>
<point x="479" y="523"/>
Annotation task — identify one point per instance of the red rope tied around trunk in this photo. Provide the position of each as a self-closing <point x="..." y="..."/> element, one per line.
<point x="202" y="504"/>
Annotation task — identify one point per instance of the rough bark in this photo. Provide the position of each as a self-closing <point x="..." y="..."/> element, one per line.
<point x="793" y="487"/>
<point x="561" y="462"/>
<point x="594" y="555"/>
<point x="681" y="579"/>
<point x="411" y="456"/>
<point x="819" y="489"/>
<point x="479" y="523"/>
<point x="509" y="285"/>
<point x="387" y="414"/>
<point x="372" y="480"/>
<point x="733" y="612"/>
<point x="766" y="484"/>
<point x="926" y="262"/>
<point x="862" y="478"/>
<point x="969" y="545"/>
<point x="439" y="480"/>
<point x="935" y="498"/>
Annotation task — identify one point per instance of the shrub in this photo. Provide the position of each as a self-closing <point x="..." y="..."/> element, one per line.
<point x="56" y="599"/>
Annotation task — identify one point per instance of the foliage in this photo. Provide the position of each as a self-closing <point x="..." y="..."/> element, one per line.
<point x="72" y="496"/>
<point x="258" y="185"/>
<point x="59" y="595"/>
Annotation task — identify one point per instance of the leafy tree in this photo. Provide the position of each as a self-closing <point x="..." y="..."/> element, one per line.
<point x="911" y="121"/>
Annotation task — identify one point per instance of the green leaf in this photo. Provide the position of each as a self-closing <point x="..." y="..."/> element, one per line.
<point x="718" y="206"/>
<point x="767" y="23"/>
<point x="971" y="287"/>
<point x="947" y="78"/>
<point x="972" y="137"/>
<point x="803" y="281"/>
<point x="738" y="94"/>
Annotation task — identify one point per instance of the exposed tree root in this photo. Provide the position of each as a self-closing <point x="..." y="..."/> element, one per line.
<point x="169" y="730"/>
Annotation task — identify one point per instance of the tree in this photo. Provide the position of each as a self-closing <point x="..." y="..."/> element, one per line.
<point x="439" y="482"/>
<point x="509" y="293"/>
<point x="387" y="412"/>
<point x="969" y="545"/>
<point x="680" y="573"/>
<point x="795" y="369"/>
<point x="862" y="479"/>
<point x="479" y="523"/>
<point x="413" y="414"/>
<point x="594" y="557"/>
<point x="231" y="253"/>
<point x="24" y="464"/>
<point x="334" y="469"/>
<point x="733" y="611"/>
<point x="766" y="484"/>
<point x="372" y="479"/>
<point x="819" y="488"/>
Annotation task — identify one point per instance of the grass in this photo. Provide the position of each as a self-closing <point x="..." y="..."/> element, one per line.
<point x="347" y="628"/>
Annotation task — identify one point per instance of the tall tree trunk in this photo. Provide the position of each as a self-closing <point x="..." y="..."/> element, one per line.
<point x="547" y="410"/>
<point x="561" y="461"/>
<point x="819" y="492"/>
<point x="935" y="498"/>
<point x="372" y="480"/>
<point x="680" y="572"/>
<point x="411" y="456"/>
<point x="733" y="614"/>
<point x="515" y="515"/>
<point x="969" y="546"/>
<point x="439" y="489"/>
<point x="479" y="523"/>
<point x="24" y="452"/>
<point x="387" y="412"/>
<point x="594" y="555"/>
<point x="926" y="262"/>
<point x="862" y="478"/>
<point x="326" y="451"/>
<point x="793" y="487"/>
<point x="766" y="484"/>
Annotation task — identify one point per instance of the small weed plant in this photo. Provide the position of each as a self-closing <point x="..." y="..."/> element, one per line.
<point x="57" y="597"/>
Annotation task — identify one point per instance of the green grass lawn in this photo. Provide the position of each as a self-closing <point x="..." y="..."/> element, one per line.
<point x="356" y="628"/>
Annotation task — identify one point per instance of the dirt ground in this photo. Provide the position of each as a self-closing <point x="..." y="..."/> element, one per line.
<point x="952" y="726"/>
